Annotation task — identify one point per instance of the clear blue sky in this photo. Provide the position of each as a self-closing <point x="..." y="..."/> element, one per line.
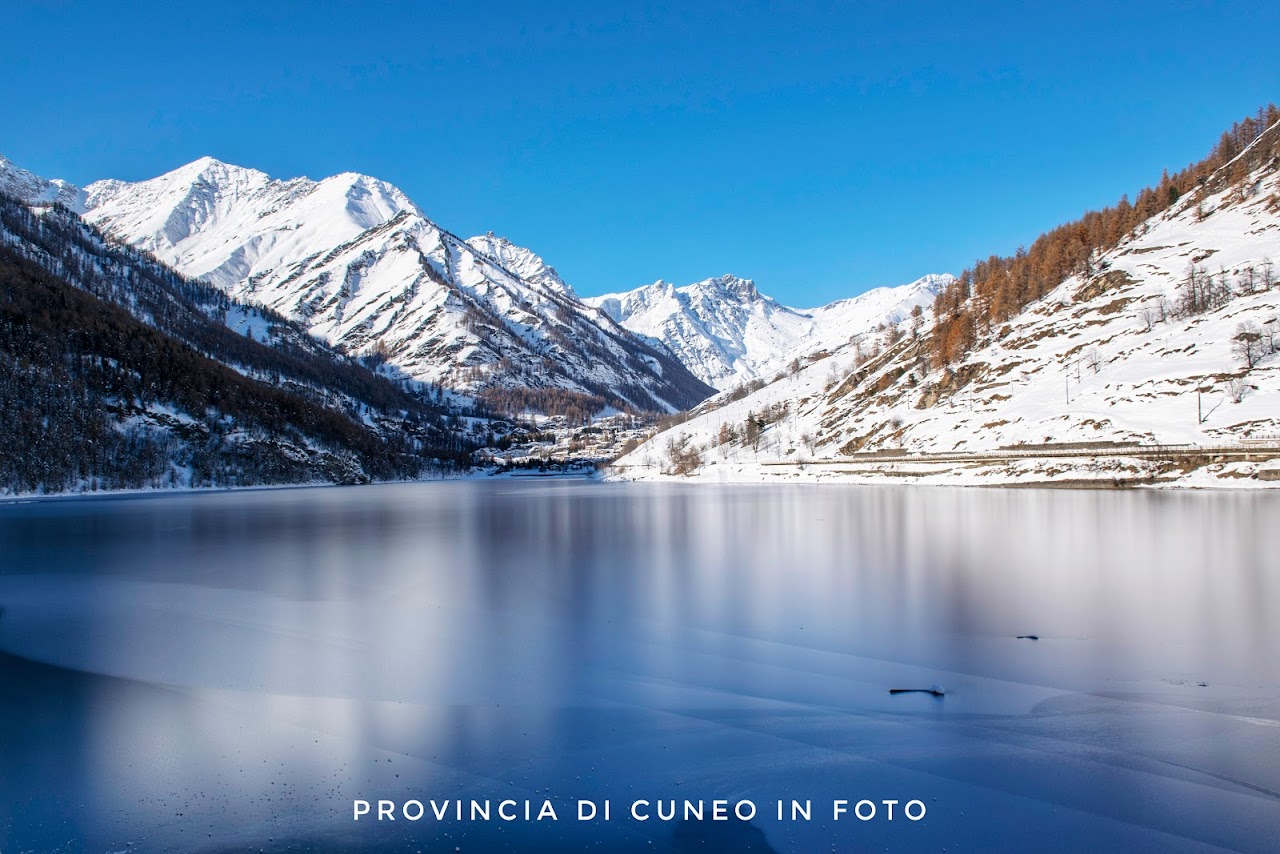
<point x="820" y="149"/>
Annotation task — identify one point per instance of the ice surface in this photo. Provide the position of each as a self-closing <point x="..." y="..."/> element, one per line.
<point x="244" y="664"/>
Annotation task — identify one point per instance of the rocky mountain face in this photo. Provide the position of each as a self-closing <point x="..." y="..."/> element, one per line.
<point x="728" y="333"/>
<point x="362" y="267"/>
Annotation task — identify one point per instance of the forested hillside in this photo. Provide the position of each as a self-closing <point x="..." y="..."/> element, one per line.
<point x="118" y="373"/>
<point x="1138" y="344"/>
<point x="993" y="290"/>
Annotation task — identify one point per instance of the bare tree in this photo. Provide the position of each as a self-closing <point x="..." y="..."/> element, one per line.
<point x="1201" y="291"/>
<point x="1270" y="332"/>
<point x="1238" y="388"/>
<point x="859" y="355"/>
<point x="1247" y="280"/>
<point x="1223" y="294"/>
<point x="1247" y="343"/>
<point x="685" y="458"/>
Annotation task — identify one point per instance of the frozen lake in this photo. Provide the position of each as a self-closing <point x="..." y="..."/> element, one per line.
<point x="233" y="670"/>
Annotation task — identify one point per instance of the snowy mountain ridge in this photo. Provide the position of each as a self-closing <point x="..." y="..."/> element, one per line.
<point x="224" y="223"/>
<point x="728" y="333"/>
<point x="356" y="261"/>
<point x="362" y="267"/>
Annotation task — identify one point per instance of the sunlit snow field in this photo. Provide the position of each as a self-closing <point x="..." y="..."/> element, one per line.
<point x="232" y="670"/>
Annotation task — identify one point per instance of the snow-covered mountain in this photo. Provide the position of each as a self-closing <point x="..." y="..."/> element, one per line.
<point x="356" y="261"/>
<point x="723" y="329"/>
<point x="1113" y="358"/>
<point x="728" y="333"/>
<point x="858" y="318"/>
<point x="362" y="266"/>
<point x="25" y="186"/>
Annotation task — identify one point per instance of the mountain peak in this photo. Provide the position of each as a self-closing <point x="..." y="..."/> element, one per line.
<point x="523" y="262"/>
<point x="214" y="170"/>
<point x="207" y="161"/>
<point x="734" y="286"/>
<point x="191" y="214"/>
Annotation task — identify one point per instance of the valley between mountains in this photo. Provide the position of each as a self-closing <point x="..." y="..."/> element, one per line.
<point x="343" y="336"/>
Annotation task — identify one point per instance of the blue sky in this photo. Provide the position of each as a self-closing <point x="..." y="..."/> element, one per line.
<point x="821" y="149"/>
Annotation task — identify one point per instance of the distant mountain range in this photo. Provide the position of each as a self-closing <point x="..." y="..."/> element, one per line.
<point x="357" y="262"/>
<point x="728" y="333"/>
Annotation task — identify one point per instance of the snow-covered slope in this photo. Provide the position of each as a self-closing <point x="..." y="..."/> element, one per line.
<point x="1110" y="359"/>
<point x="361" y="265"/>
<point x="25" y="186"/>
<point x="728" y="333"/>
<point x="837" y="324"/>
